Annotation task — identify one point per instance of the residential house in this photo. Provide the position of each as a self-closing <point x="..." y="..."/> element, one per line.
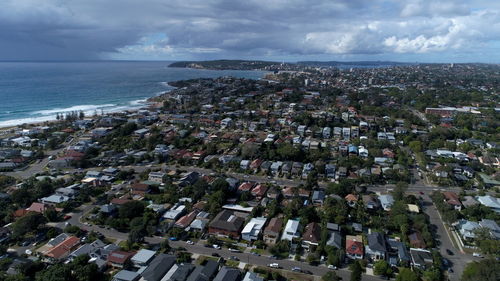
<point x="126" y="275"/>
<point x="226" y="223"/>
<point x="156" y="177"/>
<point x="311" y="236"/>
<point x="259" y="191"/>
<point x="421" y="258"/>
<point x="204" y="272"/>
<point x="250" y="276"/>
<point x="63" y="249"/>
<point x="175" y="212"/>
<point x="158" y="267"/>
<point x="351" y="199"/>
<point x="272" y="231"/>
<point x="186" y="220"/>
<point x="228" y="274"/>
<point x="397" y="253"/>
<point x="452" y="199"/>
<point x="253" y="228"/>
<point x="370" y="202"/>
<point x="143" y="257"/>
<point x="386" y="200"/>
<point x="416" y="240"/>
<point x="492" y="226"/>
<point x="376" y="248"/>
<point x="335" y="239"/>
<point x="489" y="201"/>
<point x="291" y="230"/>
<point x="467" y="229"/>
<point x="354" y="247"/>
<point x="318" y="197"/>
<point x="119" y="258"/>
<point x="179" y="272"/>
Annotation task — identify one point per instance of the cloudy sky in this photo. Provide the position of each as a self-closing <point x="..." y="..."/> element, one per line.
<point x="290" y="30"/>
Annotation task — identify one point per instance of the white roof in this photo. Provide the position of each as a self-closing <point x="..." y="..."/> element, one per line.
<point x="254" y="226"/>
<point x="55" y="199"/>
<point x="143" y="256"/>
<point x="292" y="226"/>
<point x="489" y="201"/>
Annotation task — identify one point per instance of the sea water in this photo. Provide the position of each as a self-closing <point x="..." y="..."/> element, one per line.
<point x="38" y="91"/>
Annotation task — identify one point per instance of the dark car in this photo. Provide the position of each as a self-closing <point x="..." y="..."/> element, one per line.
<point x="449" y="252"/>
<point x="215" y="255"/>
<point x="307" y="272"/>
<point x="234" y="258"/>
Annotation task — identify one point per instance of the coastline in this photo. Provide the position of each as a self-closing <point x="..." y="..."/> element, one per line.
<point x="139" y="91"/>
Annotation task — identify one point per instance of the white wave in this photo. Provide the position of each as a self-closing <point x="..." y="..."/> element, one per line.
<point x="138" y="102"/>
<point x="88" y="110"/>
<point x="30" y="120"/>
<point x="165" y="84"/>
<point x="84" y="108"/>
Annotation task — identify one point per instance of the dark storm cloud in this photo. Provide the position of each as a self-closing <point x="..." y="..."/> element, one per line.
<point x="88" y="29"/>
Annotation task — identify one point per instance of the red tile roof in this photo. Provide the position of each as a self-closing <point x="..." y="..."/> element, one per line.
<point x="354" y="247"/>
<point x="260" y="190"/>
<point x="351" y="198"/>
<point x="186" y="220"/>
<point x="64" y="248"/>
<point x="246" y="186"/>
<point x="119" y="257"/>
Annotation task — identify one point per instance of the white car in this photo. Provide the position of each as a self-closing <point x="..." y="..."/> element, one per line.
<point x="215" y="246"/>
<point x="331" y="266"/>
<point x="477" y="255"/>
<point x="274" y="265"/>
<point x="189" y="242"/>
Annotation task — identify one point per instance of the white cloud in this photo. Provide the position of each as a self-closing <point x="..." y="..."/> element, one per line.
<point x="220" y="28"/>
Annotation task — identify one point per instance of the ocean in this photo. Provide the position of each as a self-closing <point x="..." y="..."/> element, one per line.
<point x="37" y="91"/>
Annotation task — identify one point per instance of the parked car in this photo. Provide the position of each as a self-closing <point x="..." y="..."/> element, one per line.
<point x="189" y="242"/>
<point x="233" y="250"/>
<point x="331" y="266"/>
<point x="477" y="255"/>
<point x="296" y="269"/>
<point x="274" y="265"/>
<point x="173" y="239"/>
<point x="234" y="258"/>
<point x="449" y="252"/>
<point x="215" y="255"/>
<point x="215" y="246"/>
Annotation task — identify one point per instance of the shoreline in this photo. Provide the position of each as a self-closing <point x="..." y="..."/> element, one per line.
<point x="53" y="120"/>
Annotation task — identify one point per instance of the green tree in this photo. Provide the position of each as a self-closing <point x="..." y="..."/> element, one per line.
<point x="330" y="276"/>
<point x="28" y="223"/>
<point x="485" y="270"/>
<point x="415" y="146"/>
<point x="381" y="267"/>
<point x="57" y="272"/>
<point x="406" y="274"/>
<point x="399" y="191"/>
<point x="356" y="271"/>
<point x="131" y="209"/>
